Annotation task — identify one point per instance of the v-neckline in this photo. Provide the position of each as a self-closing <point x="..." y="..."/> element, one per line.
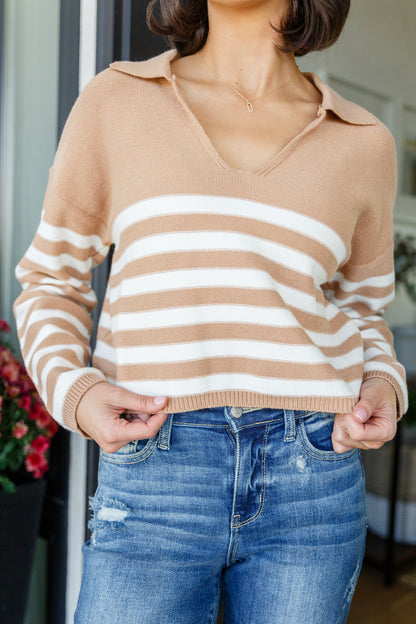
<point x="272" y="162"/>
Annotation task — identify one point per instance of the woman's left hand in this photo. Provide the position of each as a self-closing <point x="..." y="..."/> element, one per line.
<point x="373" y="420"/>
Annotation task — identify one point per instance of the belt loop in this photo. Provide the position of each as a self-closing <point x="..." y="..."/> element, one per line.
<point x="290" y="425"/>
<point x="164" y="434"/>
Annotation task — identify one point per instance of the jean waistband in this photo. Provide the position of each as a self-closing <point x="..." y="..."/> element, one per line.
<point x="221" y="416"/>
<point x="235" y="418"/>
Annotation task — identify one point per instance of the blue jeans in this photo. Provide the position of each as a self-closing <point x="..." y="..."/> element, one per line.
<point x="250" y="506"/>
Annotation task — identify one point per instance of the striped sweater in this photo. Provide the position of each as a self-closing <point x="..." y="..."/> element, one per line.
<point x="261" y="287"/>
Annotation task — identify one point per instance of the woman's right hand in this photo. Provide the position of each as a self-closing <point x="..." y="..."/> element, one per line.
<point x="98" y="415"/>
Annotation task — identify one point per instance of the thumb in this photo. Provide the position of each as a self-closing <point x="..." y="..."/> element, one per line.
<point x="151" y="404"/>
<point x="120" y="397"/>
<point x="363" y="410"/>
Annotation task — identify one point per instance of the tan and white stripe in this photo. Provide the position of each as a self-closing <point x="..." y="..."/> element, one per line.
<point x="227" y="287"/>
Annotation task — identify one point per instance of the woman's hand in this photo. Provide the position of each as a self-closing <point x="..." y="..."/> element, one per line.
<point x="373" y="420"/>
<point x="98" y="415"/>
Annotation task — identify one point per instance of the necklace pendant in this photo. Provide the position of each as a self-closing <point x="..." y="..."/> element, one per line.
<point x="249" y="105"/>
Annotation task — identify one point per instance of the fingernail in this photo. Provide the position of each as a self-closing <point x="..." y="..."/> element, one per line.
<point x="159" y="400"/>
<point x="361" y="414"/>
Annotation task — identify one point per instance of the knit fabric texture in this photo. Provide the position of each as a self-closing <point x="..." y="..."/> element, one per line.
<point x="259" y="288"/>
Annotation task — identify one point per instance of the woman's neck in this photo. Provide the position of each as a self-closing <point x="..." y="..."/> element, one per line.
<point x="240" y="46"/>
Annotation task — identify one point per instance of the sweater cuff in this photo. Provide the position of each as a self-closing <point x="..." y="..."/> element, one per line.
<point x="74" y="396"/>
<point x="401" y="401"/>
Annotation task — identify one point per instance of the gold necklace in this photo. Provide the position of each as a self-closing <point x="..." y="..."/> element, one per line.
<point x="249" y="102"/>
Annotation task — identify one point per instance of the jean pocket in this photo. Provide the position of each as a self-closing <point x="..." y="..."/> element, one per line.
<point x="131" y="453"/>
<point x="315" y="431"/>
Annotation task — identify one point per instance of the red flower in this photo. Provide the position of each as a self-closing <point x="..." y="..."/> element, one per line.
<point x="37" y="464"/>
<point x="43" y="419"/>
<point x="12" y="391"/>
<point x="11" y="371"/>
<point x="26" y="384"/>
<point x="5" y="355"/>
<point x="40" y="444"/>
<point x="4" y="327"/>
<point x="23" y="416"/>
<point x="51" y="428"/>
<point x="35" y="411"/>
<point x="24" y="402"/>
<point x="20" y="429"/>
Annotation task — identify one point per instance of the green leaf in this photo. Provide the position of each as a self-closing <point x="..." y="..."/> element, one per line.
<point x="8" y="448"/>
<point x="7" y="484"/>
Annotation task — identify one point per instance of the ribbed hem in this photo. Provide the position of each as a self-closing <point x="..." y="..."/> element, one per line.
<point x="343" y="405"/>
<point x="74" y="396"/>
<point x="237" y="398"/>
<point x="400" y="399"/>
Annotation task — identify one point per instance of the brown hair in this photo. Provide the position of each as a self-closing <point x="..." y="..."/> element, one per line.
<point x="309" y="25"/>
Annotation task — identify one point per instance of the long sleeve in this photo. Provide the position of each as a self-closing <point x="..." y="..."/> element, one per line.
<point x="365" y="285"/>
<point x="53" y="311"/>
<point x="215" y="295"/>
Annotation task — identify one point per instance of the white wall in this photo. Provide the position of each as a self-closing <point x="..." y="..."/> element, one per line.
<point x="377" y="47"/>
<point x="30" y="121"/>
<point x="377" y="53"/>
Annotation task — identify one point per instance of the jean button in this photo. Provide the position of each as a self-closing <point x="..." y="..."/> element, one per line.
<point x="236" y="412"/>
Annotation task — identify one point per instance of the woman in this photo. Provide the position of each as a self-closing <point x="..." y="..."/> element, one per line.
<point x="241" y="360"/>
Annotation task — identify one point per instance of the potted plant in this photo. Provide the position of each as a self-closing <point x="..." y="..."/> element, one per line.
<point x="378" y="464"/>
<point x="26" y="430"/>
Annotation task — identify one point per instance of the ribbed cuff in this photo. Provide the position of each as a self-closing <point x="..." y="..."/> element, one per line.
<point x="74" y="396"/>
<point x="400" y="399"/>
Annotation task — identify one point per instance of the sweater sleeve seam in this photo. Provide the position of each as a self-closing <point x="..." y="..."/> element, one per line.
<point x="80" y="209"/>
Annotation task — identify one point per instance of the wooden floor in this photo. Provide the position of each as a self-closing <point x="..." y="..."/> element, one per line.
<point x="373" y="603"/>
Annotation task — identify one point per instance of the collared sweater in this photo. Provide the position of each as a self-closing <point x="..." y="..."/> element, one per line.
<point x="261" y="288"/>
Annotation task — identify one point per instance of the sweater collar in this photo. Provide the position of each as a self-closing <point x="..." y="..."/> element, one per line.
<point x="159" y="67"/>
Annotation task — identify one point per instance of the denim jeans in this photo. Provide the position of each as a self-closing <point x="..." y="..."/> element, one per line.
<point x="248" y="506"/>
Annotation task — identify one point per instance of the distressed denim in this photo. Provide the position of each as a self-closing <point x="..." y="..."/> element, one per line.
<point x="248" y="506"/>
